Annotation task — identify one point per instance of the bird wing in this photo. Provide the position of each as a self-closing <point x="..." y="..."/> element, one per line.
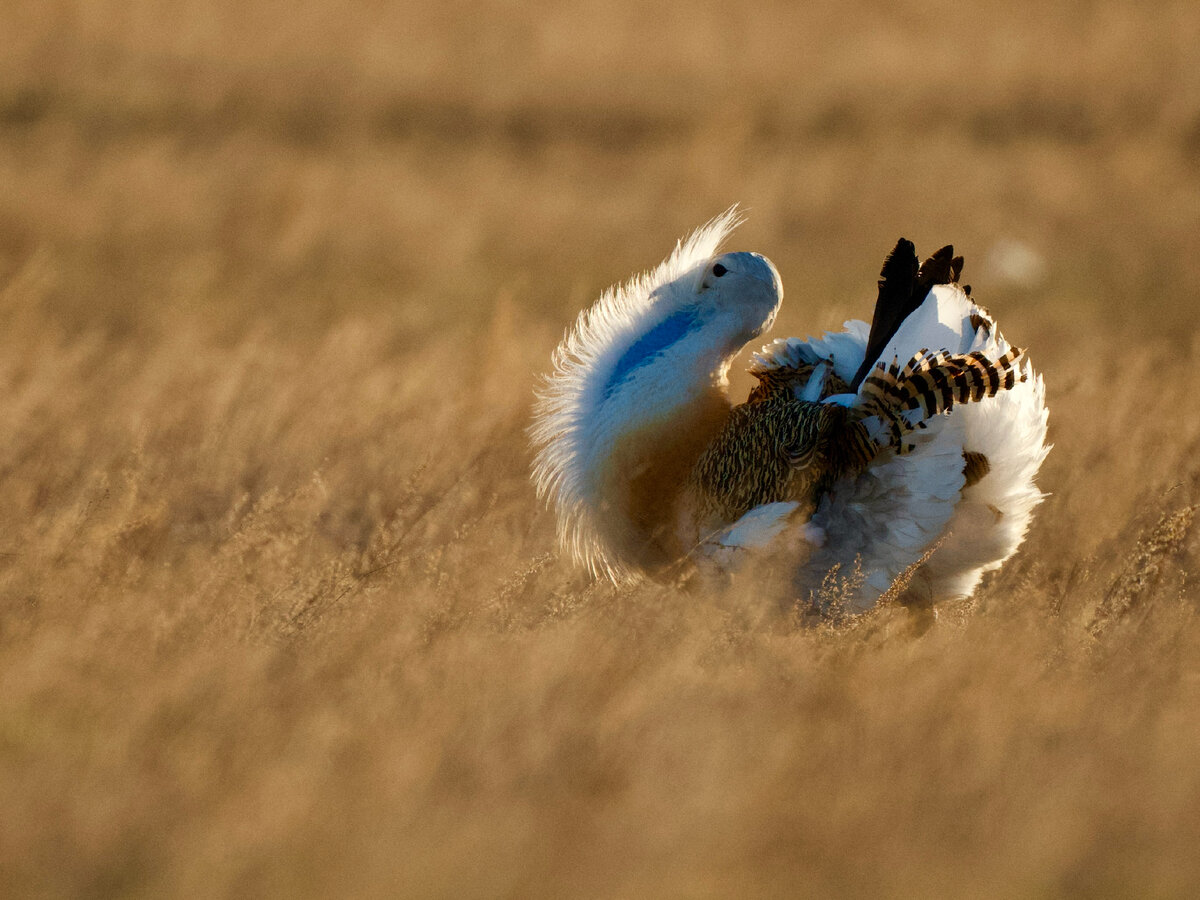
<point x="889" y="515"/>
<point x="966" y="490"/>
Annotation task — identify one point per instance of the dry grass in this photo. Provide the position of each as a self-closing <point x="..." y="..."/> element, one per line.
<point x="279" y="614"/>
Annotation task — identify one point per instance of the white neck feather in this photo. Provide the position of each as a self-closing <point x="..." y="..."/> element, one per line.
<point x="631" y="364"/>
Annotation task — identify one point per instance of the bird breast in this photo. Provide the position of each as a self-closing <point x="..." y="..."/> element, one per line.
<point x="647" y="474"/>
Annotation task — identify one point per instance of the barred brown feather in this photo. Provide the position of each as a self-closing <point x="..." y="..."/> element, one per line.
<point x="932" y="383"/>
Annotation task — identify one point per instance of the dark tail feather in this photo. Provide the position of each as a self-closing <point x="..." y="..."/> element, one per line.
<point x="937" y="269"/>
<point x="902" y="288"/>
<point x="897" y="280"/>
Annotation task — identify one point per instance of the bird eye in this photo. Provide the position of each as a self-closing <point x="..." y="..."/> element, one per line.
<point x="719" y="270"/>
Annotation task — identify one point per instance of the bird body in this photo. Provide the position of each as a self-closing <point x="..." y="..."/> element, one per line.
<point x="834" y="457"/>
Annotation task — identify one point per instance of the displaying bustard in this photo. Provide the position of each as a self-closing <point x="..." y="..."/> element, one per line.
<point x="867" y="447"/>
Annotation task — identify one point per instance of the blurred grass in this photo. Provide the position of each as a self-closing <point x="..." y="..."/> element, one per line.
<point x="278" y="611"/>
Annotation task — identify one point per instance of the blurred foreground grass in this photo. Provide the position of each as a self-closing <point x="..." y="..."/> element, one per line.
<point x="278" y="611"/>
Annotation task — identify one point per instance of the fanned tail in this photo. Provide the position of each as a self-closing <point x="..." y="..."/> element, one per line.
<point x="895" y="401"/>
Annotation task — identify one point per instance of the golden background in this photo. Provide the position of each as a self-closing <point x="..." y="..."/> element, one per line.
<point x="279" y="613"/>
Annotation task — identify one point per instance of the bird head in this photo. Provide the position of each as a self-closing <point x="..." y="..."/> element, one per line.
<point x="743" y="289"/>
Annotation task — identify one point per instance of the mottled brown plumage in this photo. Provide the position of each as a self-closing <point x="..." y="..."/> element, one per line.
<point x="776" y="447"/>
<point x="975" y="466"/>
<point x="787" y="380"/>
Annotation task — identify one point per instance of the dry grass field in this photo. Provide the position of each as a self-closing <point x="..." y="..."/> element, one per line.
<point x="279" y="612"/>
